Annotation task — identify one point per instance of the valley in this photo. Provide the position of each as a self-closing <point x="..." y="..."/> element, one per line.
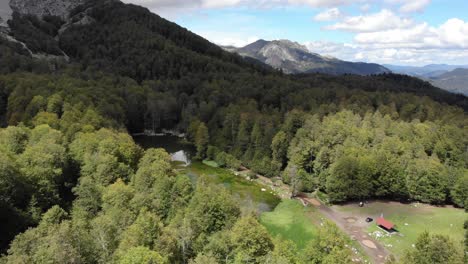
<point x="299" y="220"/>
<point x="126" y="138"/>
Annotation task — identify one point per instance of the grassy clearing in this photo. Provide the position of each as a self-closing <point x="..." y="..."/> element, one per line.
<point x="411" y="220"/>
<point x="249" y="193"/>
<point x="292" y="221"/>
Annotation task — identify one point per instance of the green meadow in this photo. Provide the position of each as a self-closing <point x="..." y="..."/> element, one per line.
<point x="411" y="220"/>
<point x="291" y="220"/>
<point x="249" y="193"/>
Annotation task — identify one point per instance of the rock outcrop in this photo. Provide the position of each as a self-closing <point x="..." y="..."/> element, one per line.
<point x="42" y="8"/>
<point x="5" y="13"/>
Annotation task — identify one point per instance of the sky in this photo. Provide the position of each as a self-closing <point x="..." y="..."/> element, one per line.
<point x="402" y="32"/>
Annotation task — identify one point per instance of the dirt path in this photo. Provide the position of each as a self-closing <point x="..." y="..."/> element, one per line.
<point x="352" y="226"/>
<point x="355" y="229"/>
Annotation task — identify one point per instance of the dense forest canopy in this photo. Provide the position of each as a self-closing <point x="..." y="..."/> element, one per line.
<point x="70" y="170"/>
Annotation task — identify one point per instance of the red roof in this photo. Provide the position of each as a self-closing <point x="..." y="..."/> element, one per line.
<point x="385" y="223"/>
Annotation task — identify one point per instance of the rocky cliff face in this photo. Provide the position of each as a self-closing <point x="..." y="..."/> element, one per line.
<point x="5" y="12"/>
<point x="42" y="8"/>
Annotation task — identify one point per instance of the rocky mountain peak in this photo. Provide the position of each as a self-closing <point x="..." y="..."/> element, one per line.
<point x="42" y="8"/>
<point x="292" y="57"/>
<point x="290" y="45"/>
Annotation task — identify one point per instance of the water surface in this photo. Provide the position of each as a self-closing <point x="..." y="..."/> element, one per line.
<point x="175" y="146"/>
<point x="249" y="194"/>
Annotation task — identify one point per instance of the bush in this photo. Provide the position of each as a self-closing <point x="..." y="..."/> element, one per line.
<point x="227" y="160"/>
<point x="211" y="152"/>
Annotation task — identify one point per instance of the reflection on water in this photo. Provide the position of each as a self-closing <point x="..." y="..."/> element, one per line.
<point x="181" y="156"/>
<point x="175" y="146"/>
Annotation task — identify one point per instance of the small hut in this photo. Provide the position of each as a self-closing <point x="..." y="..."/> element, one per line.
<point x="386" y="225"/>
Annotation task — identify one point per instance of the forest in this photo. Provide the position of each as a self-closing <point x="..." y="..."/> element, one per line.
<point x="75" y="188"/>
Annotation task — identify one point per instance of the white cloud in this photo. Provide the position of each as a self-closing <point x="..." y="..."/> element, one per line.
<point x="418" y="44"/>
<point x="382" y="55"/>
<point x="453" y="34"/>
<point x="329" y="15"/>
<point x="229" y="38"/>
<point x="188" y="4"/>
<point x="410" y="6"/>
<point x="385" y="19"/>
<point x="218" y="4"/>
<point x="323" y="3"/>
<point x="365" y="7"/>
<point x="414" y="6"/>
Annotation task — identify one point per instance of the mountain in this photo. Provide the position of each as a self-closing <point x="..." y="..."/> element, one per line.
<point x="426" y="71"/>
<point x="291" y="57"/>
<point x="455" y="81"/>
<point x="5" y="12"/>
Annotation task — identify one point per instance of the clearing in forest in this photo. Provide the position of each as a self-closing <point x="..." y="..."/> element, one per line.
<point x="410" y="219"/>
<point x="291" y="220"/>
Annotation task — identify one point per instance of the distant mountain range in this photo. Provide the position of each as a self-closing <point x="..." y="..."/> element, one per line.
<point x="291" y="57"/>
<point x="427" y="71"/>
<point x="453" y="78"/>
<point x="455" y="81"/>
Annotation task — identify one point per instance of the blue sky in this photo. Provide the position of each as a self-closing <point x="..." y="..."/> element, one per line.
<point x="405" y="32"/>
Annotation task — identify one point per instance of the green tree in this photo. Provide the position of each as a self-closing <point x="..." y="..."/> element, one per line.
<point x="47" y="118"/>
<point x="14" y="138"/>
<point x="143" y="232"/>
<point x="329" y="246"/>
<point x="279" y="148"/>
<point x="434" y="249"/>
<point x="347" y="180"/>
<point x="459" y="192"/>
<point x="211" y="209"/>
<point x="251" y="240"/>
<point x="201" y="140"/>
<point x="427" y="180"/>
<point x="204" y="259"/>
<point x="142" y="255"/>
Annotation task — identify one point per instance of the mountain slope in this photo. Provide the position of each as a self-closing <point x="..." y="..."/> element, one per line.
<point x="455" y="81"/>
<point x="292" y="57"/>
<point x="130" y="41"/>
<point x="427" y="71"/>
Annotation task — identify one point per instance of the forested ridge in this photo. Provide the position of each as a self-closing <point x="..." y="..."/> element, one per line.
<point x="70" y="170"/>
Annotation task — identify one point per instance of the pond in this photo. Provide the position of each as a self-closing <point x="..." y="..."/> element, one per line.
<point x="179" y="150"/>
<point x="250" y="194"/>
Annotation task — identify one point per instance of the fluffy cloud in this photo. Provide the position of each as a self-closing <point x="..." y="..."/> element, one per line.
<point x="400" y="56"/>
<point x="329" y="15"/>
<point x="414" y="6"/>
<point x="323" y="3"/>
<point x="382" y="20"/>
<point x="184" y="4"/>
<point x="452" y="34"/>
<point x="410" y="6"/>
<point x="229" y="38"/>
<point x="418" y="44"/>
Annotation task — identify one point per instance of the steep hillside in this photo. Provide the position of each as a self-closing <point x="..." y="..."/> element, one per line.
<point x="292" y="57"/>
<point x="455" y="81"/>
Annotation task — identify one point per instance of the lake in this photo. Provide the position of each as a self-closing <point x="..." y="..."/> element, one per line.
<point x="178" y="149"/>
<point x="249" y="193"/>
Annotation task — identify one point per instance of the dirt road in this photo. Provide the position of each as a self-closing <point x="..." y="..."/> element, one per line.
<point x="355" y="229"/>
<point x="352" y="226"/>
